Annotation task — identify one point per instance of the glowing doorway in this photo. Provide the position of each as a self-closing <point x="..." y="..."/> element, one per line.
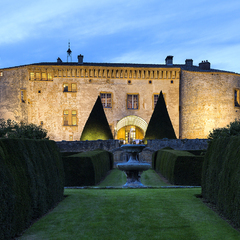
<point x="131" y="128"/>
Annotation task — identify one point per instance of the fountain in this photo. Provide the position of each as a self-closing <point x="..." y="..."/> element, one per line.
<point x="133" y="168"/>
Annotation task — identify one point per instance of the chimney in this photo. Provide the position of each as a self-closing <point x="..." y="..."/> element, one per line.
<point x="189" y="62"/>
<point x="59" y="60"/>
<point x="204" y="65"/>
<point x="80" y="59"/>
<point x="169" y="60"/>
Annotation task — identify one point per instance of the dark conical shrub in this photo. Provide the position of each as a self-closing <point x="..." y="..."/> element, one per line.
<point x="160" y="125"/>
<point x="97" y="126"/>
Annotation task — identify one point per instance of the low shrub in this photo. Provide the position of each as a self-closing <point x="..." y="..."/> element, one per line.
<point x="32" y="182"/>
<point x="221" y="176"/>
<point x="179" y="167"/>
<point x="12" y="129"/>
<point x="87" y="168"/>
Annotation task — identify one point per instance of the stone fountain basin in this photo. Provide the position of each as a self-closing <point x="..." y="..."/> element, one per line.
<point x="134" y="165"/>
<point x="133" y="148"/>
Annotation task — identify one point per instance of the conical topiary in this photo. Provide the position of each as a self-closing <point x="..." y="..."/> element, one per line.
<point x="160" y="125"/>
<point x="97" y="126"/>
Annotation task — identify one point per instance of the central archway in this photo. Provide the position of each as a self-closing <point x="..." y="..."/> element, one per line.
<point x="131" y="128"/>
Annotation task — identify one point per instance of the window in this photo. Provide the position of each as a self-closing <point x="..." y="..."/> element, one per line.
<point x="106" y="100"/>
<point x="1" y="73"/>
<point x="23" y="96"/>
<point x="65" y="87"/>
<point x="44" y="76"/>
<point x="69" y="118"/>
<point x="50" y="77"/>
<point x="32" y="76"/>
<point x="74" y="118"/>
<point x="237" y="97"/>
<point x="69" y="87"/>
<point x="65" y="118"/>
<point x="74" y="87"/>
<point x="38" y="76"/>
<point x="132" y="101"/>
<point x="155" y="99"/>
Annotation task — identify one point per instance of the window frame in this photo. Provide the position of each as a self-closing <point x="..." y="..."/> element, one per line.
<point x="69" y="118"/>
<point x="236" y="96"/>
<point x="23" y="96"/>
<point x="69" y="87"/>
<point x="132" y="101"/>
<point x="153" y="99"/>
<point x="105" y="104"/>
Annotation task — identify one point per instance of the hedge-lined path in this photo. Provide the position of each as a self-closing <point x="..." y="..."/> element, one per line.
<point x="132" y="214"/>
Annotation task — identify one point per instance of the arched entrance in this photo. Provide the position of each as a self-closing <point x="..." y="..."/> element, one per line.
<point x="131" y="128"/>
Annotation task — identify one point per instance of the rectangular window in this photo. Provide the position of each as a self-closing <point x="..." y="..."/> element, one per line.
<point x="69" y="118"/>
<point x="65" y="118"/>
<point x="155" y="99"/>
<point x="23" y="96"/>
<point x="32" y="76"/>
<point x="132" y="101"/>
<point x="65" y="87"/>
<point x="237" y="97"/>
<point x="74" y="87"/>
<point x="38" y="76"/>
<point x="1" y="73"/>
<point x="74" y="118"/>
<point x="106" y="100"/>
<point x="44" y="76"/>
<point x="49" y="76"/>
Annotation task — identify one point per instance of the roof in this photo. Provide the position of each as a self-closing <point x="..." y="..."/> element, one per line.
<point x="136" y="65"/>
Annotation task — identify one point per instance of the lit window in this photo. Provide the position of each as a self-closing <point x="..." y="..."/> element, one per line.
<point x="49" y="76"/>
<point x="23" y="96"/>
<point x="237" y="98"/>
<point x="65" y="118"/>
<point x="37" y="76"/>
<point x="74" y="87"/>
<point x="65" y="87"/>
<point x="32" y="76"/>
<point x="1" y="73"/>
<point x="106" y="100"/>
<point x="132" y="101"/>
<point x="74" y="118"/>
<point x="44" y="76"/>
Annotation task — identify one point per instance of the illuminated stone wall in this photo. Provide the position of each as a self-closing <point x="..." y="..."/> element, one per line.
<point x="205" y="99"/>
<point x="206" y="102"/>
<point x="12" y="82"/>
<point x="46" y="100"/>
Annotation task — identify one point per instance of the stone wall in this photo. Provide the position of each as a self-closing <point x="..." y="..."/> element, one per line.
<point x="83" y="146"/>
<point x="206" y="102"/>
<point x="120" y="156"/>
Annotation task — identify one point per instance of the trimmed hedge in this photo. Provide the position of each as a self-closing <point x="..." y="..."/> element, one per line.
<point x="179" y="167"/>
<point x="32" y="182"/>
<point x="221" y="176"/>
<point x="87" y="168"/>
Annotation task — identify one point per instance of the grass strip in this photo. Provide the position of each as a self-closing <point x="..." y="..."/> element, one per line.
<point x="117" y="178"/>
<point x="131" y="214"/>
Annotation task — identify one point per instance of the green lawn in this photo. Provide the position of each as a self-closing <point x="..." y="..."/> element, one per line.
<point x="117" y="178"/>
<point x="131" y="214"/>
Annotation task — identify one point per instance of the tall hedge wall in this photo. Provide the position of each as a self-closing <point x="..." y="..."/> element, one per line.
<point x="87" y="168"/>
<point x="179" y="167"/>
<point x="32" y="182"/>
<point x="221" y="176"/>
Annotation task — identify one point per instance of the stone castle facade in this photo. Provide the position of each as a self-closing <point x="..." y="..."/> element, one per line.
<point x="60" y="96"/>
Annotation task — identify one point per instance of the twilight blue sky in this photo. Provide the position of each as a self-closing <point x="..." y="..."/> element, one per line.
<point x="127" y="31"/>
